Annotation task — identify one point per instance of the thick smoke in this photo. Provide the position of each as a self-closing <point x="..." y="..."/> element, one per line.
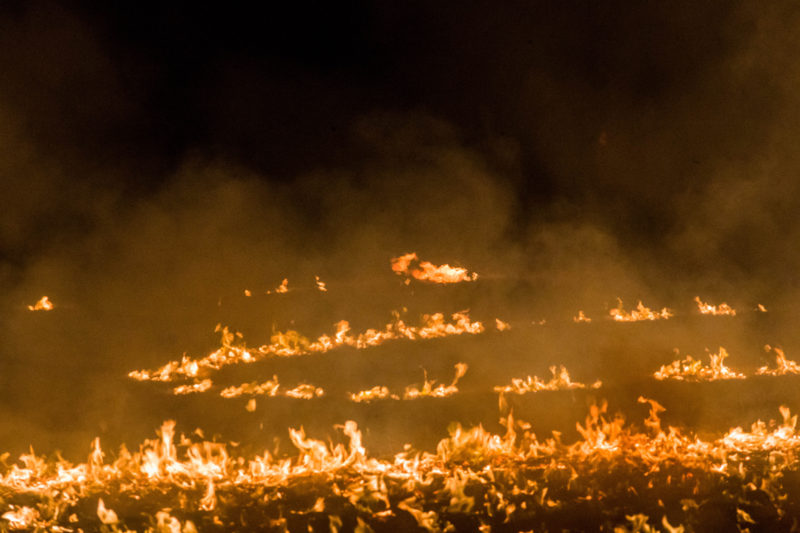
<point x="570" y="155"/>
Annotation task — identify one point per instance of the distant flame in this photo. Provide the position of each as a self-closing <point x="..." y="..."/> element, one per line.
<point x="640" y="313"/>
<point x="580" y="317"/>
<point x="410" y="265"/>
<point x="716" y="310"/>
<point x="44" y="304"/>
<point x="559" y="381"/>
<point x="690" y="369"/>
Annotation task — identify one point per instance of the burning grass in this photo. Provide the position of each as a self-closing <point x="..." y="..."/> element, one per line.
<point x="475" y="480"/>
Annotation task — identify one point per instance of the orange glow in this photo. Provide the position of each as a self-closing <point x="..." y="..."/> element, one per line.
<point x="44" y="304"/>
<point x="722" y="309"/>
<point x="640" y="313"/>
<point x="690" y="369"/>
<point x="320" y="284"/>
<point x="410" y="266"/>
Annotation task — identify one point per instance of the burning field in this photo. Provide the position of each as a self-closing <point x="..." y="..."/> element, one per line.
<point x="486" y="450"/>
<point x="399" y="266"/>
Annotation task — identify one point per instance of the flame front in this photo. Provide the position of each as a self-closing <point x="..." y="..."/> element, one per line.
<point x="547" y="475"/>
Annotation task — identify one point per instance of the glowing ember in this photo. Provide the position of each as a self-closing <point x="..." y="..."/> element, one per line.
<point x="640" y="313"/>
<point x="722" y="309"/>
<point x="247" y="293"/>
<point x="761" y="308"/>
<point x="441" y="391"/>
<point x="783" y="366"/>
<point x="560" y="380"/>
<point x="580" y="317"/>
<point x="410" y="266"/>
<point x="320" y="284"/>
<point x="690" y="369"/>
<point x="291" y="343"/>
<point x="44" y="304"/>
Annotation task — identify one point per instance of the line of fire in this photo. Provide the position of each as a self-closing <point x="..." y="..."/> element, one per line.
<point x="624" y="464"/>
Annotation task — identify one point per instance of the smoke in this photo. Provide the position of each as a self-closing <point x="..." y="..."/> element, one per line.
<point x="568" y="156"/>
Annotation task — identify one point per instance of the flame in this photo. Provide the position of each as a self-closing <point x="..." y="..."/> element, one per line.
<point x="690" y="369"/>
<point x="761" y="308"/>
<point x="377" y="392"/>
<point x="560" y="380"/>
<point x="247" y="293"/>
<point x="413" y="392"/>
<point x="200" y="386"/>
<point x="320" y="284"/>
<point x="722" y="309"/>
<point x="194" y="477"/>
<point x="410" y="266"/>
<point x="640" y="313"/>
<point x="580" y="317"/>
<point x="44" y="304"/>
<point x="291" y="343"/>
<point x="272" y="388"/>
<point x="501" y="326"/>
<point x="783" y="366"/>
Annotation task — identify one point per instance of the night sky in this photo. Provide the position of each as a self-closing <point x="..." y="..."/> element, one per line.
<point x="158" y="158"/>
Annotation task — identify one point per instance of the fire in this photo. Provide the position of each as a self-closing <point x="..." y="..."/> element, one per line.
<point x="722" y="309"/>
<point x="410" y="266"/>
<point x="290" y="343"/>
<point x="640" y="313"/>
<point x="500" y="325"/>
<point x="44" y="304"/>
<point x="377" y="392"/>
<point x="783" y="366"/>
<point x="283" y="287"/>
<point x="513" y="476"/>
<point x="580" y="317"/>
<point x="441" y="391"/>
<point x="690" y="369"/>
<point x="560" y="380"/>
<point x="200" y="386"/>
<point x="320" y="284"/>
<point x="272" y="388"/>
<point x="412" y="392"/>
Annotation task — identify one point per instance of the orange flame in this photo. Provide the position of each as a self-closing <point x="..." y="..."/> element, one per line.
<point x="722" y="309"/>
<point x="690" y="369"/>
<point x="44" y="304"/>
<point x="640" y="313"/>
<point x="410" y="266"/>
<point x="291" y="343"/>
<point x="559" y="381"/>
